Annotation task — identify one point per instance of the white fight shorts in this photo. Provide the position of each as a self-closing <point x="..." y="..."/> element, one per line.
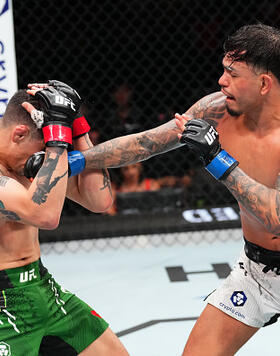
<point x="251" y="293"/>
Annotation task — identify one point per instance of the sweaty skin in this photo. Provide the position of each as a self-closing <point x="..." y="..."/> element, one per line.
<point x="133" y="148"/>
<point x="26" y="207"/>
<point x="257" y="148"/>
<point x="19" y="244"/>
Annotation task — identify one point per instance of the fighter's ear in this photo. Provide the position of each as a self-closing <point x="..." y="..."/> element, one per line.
<point x="266" y="83"/>
<point x="19" y="133"/>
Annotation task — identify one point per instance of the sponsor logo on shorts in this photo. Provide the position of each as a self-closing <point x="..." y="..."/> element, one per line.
<point x="27" y="276"/>
<point x="238" y="298"/>
<point x="5" y="349"/>
<point x="232" y="310"/>
<point x="4" y="6"/>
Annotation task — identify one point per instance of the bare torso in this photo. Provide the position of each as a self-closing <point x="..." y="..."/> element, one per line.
<point x="258" y="153"/>
<point x="19" y="243"/>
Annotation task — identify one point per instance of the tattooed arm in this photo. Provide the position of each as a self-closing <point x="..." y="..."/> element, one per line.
<point x="138" y="147"/>
<point x="211" y="108"/>
<point x="125" y="150"/>
<point x="92" y="187"/>
<point x="261" y="202"/>
<point x="40" y="205"/>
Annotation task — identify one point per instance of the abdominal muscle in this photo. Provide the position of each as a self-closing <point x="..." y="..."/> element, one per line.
<point x="19" y="245"/>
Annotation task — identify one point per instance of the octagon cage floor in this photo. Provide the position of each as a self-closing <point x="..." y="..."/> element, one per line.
<point x="152" y="295"/>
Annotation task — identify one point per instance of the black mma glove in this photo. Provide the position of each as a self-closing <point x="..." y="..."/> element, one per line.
<point x="59" y="112"/>
<point x="202" y="138"/>
<point x="76" y="163"/>
<point x="80" y="124"/>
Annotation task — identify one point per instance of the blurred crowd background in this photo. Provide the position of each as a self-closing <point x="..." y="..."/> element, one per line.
<point x="135" y="63"/>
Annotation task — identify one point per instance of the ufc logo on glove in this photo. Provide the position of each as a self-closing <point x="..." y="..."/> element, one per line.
<point x="211" y="135"/>
<point x="201" y="137"/>
<point x="61" y="100"/>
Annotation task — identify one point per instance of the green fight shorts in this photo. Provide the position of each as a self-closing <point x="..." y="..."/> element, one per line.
<point x="39" y="317"/>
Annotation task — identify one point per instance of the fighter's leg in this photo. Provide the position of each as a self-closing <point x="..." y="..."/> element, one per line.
<point x="106" y="345"/>
<point x="217" y="334"/>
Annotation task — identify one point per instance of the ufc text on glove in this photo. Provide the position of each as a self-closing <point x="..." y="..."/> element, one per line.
<point x="202" y="138"/>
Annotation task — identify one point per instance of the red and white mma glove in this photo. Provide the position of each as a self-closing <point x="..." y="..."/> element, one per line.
<point x="80" y="124"/>
<point x="59" y="112"/>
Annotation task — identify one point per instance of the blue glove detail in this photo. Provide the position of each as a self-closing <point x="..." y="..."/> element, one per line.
<point x="221" y="165"/>
<point x="76" y="163"/>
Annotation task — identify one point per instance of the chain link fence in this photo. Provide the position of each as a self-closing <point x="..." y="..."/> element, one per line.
<point x="136" y="63"/>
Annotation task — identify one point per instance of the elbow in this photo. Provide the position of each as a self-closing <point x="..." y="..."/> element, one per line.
<point x="50" y="225"/>
<point x="106" y="205"/>
<point x="49" y="222"/>
<point x="102" y="206"/>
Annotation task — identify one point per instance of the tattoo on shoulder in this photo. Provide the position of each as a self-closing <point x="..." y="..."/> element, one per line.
<point x="45" y="183"/>
<point x="7" y="214"/>
<point x="212" y="108"/>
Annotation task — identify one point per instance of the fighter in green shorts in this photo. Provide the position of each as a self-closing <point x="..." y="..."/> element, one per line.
<point x="39" y="317"/>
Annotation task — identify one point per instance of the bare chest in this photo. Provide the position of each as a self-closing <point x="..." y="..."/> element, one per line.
<point x="258" y="155"/>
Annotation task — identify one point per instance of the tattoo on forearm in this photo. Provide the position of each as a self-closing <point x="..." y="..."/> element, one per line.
<point x="262" y="202"/>
<point x="106" y="181"/>
<point x="133" y="148"/>
<point x="44" y="176"/>
<point x="3" y="181"/>
<point x="7" y="214"/>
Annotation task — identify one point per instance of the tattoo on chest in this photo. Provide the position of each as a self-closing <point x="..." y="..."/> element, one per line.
<point x="45" y="180"/>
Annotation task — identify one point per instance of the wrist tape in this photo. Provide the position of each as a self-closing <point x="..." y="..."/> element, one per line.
<point x="76" y="163"/>
<point x="221" y="166"/>
<point x="57" y="134"/>
<point x="80" y="127"/>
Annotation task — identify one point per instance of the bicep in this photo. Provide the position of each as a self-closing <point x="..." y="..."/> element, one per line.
<point x="14" y="201"/>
